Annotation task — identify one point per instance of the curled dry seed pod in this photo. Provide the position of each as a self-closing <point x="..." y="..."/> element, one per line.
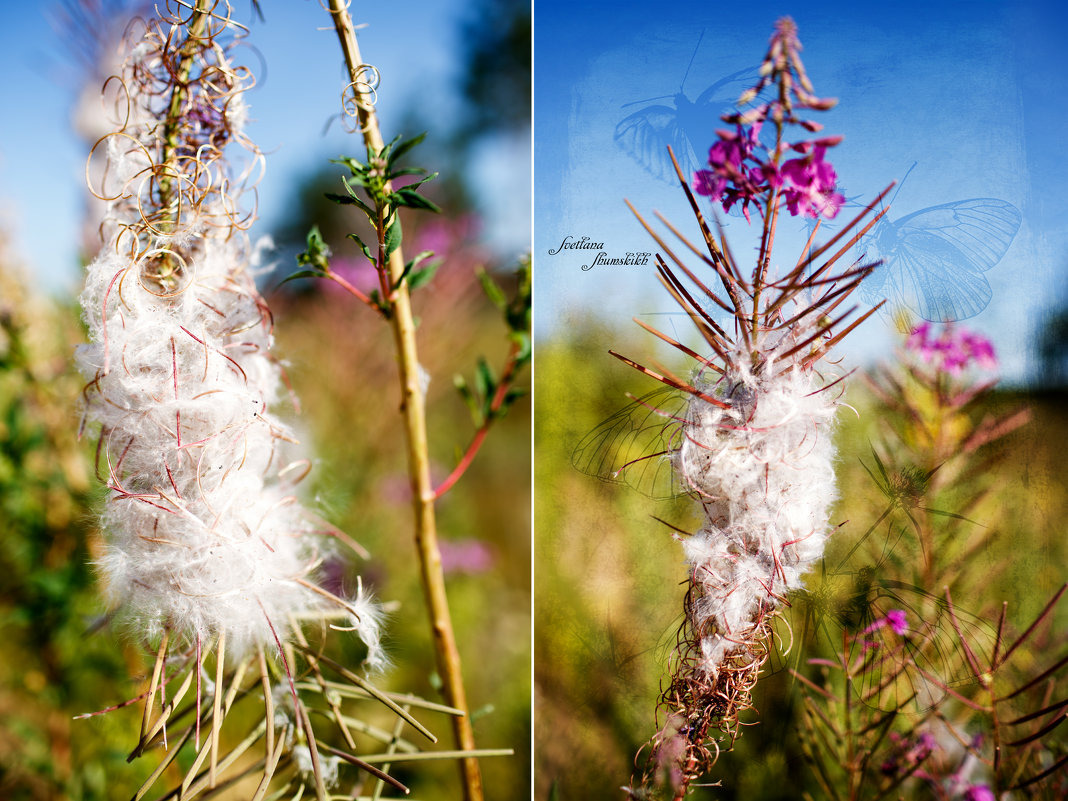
<point x="205" y="538"/>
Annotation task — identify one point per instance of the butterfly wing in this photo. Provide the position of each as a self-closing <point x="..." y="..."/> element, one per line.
<point x="914" y="670"/>
<point x="689" y="128"/>
<point x="936" y="281"/>
<point x="719" y="95"/>
<point x="645" y="136"/>
<point x="633" y="446"/>
<point x="935" y="258"/>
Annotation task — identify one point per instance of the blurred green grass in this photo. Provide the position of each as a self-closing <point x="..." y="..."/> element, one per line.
<point x="609" y="578"/>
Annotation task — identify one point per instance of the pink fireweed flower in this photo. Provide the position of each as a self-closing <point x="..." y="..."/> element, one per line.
<point x="808" y="186"/>
<point x="896" y="619"/>
<point x="954" y="350"/>
<point x="978" y="792"/>
<point x="737" y="174"/>
<point x="744" y="170"/>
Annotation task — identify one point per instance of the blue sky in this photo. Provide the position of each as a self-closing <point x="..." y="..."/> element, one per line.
<point x="969" y="93"/>
<point x="413" y="43"/>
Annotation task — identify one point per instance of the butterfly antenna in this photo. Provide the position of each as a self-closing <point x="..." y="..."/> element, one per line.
<point x="902" y="183"/>
<point x="647" y="100"/>
<point x="688" y="66"/>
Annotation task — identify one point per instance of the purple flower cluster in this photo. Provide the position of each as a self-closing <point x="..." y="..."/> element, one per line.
<point x="744" y="170"/>
<point x="739" y="174"/>
<point x="808" y="183"/>
<point x="953" y="350"/>
<point x="907" y="753"/>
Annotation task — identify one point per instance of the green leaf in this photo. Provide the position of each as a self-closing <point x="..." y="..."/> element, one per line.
<point x="356" y="167"/>
<point x="359" y="201"/>
<point x="360" y="180"/>
<point x="419" y="257"/>
<point x="352" y="200"/>
<point x="492" y="290"/>
<point x="393" y="236"/>
<point x="511" y="396"/>
<point x="410" y="267"/>
<point x="408" y="171"/>
<point x="413" y="200"/>
<point x="316" y="254"/>
<point x="518" y="314"/>
<point x="421" y="181"/>
<point x="879" y="464"/>
<point x="514" y="394"/>
<point x="485" y="383"/>
<point x="954" y="515"/>
<point x="418" y="278"/>
<point x="378" y="303"/>
<point x="469" y="399"/>
<point x="522" y="341"/>
<point x="302" y="274"/>
<point x="387" y="148"/>
<point x="403" y="147"/>
<point x="366" y="250"/>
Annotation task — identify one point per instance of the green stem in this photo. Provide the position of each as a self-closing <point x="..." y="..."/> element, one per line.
<point x="413" y="409"/>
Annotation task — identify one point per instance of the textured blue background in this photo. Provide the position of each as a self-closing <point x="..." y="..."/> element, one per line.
<point x="972" y="93"/>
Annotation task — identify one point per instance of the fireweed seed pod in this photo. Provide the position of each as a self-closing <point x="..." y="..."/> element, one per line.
<point x="205" y="536"/>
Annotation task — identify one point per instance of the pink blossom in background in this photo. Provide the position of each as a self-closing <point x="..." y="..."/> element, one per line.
<point x="907" y="753"/>
<point x="978" y="792"/>
<point x="897" y="621"/>
<point x="953" y="350"/>
<point x="360" y="273"/>
<point x="466" y="557"/>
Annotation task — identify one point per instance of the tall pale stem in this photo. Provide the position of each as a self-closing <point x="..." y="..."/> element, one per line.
<point x="413" y="409"/>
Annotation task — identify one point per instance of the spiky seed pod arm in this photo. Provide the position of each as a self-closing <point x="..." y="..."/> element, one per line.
<point x="754" y="447"/>
<point x="205" y="538"/>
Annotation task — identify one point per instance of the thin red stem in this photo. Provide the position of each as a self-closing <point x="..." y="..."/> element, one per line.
<point x="480" y="435"/>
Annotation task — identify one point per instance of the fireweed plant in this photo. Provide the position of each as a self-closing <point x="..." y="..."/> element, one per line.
<point x="754" y="443"/>
<point x="210" y="557"/>
<point x="916" y="695"/>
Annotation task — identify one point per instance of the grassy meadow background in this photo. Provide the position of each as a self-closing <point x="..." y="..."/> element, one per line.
<point x="610" y="580"/>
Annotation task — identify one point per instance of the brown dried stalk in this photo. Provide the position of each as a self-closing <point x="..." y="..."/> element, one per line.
<point x="413" y="409"/>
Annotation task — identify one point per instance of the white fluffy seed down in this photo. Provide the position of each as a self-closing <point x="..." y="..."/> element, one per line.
<point x="763" y="471"/>
<point x="204" y="535"/>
